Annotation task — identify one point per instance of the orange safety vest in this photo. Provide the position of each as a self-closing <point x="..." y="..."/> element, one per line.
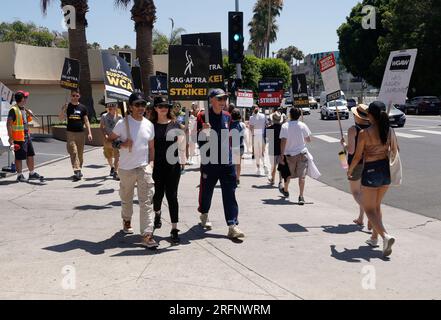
<point x="18" y="133"/>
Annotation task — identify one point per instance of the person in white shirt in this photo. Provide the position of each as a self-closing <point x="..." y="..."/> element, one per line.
<point x="135" y="136"/>
<point x="258" y="124"/>
<point x="294" y="136"/>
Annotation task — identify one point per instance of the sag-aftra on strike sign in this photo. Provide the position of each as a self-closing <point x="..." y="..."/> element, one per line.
<point x="188" y="73"/>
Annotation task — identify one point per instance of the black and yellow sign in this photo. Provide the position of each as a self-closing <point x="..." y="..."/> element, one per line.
<point x="188" y="73"/>
<point x="117" y="77"/>
<point x="70" y="76"/>
<point x="300" y="90"/>
<point x="213" y="40"/>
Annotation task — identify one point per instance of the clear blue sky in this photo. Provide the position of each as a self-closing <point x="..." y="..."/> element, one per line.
<point x="308" y="24"/>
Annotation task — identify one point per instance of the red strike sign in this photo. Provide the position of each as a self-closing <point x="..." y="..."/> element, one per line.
<point x="327" y="63"/>
<point x="270" y="99"/>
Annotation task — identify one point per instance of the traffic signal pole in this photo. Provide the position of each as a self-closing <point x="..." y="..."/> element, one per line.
<point x="238" y="65"/>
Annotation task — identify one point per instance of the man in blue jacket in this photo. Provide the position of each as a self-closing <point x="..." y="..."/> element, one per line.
<point x="217" y="164"/>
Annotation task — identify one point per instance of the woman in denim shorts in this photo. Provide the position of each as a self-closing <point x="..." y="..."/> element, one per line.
<point x="373" y="149"/>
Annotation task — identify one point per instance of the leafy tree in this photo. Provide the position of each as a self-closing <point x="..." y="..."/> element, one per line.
<point x="276" y="68"/>
<point x="359" y="50"/>
<point x="290" y="53"/>
<point x="30" y="34"/>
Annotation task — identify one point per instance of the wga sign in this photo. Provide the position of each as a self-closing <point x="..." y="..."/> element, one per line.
<point x="69" y="20"/>
<point x="369" y="21"/>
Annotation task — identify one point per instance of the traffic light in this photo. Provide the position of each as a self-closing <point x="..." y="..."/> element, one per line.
<point x="235" y="37"/>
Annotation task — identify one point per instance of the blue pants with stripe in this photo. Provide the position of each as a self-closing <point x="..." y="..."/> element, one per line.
<point x="226" y="174"/>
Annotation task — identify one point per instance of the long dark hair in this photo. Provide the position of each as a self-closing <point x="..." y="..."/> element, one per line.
<point x="378" y="111"/>
<point x="154" y="115"/>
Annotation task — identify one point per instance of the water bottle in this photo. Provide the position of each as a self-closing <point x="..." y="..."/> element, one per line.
<point x="343" y="160"/>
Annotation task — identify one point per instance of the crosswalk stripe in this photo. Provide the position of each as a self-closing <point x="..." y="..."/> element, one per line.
<point x="428" y="131"/>
<point x="327" y="138"/>
<point x="407" y="135"/>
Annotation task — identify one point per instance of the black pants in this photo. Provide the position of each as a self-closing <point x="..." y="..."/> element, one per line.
<point x="166" y="179"/>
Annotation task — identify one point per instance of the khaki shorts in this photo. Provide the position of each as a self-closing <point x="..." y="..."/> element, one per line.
<point x="298" y="165"/>
<point x="110" y="152"/>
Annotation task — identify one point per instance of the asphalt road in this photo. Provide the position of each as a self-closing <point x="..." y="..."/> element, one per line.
<point x="46" y="150"/>
<point x="420" y="155"/>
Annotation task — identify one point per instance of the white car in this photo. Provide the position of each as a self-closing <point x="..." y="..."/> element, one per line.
<point x="329" y="110"/>
<point x="306" y="110"/>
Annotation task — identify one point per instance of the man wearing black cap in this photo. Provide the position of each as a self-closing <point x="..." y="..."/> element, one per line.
<point x="217" y="163"/>
<point x="137" y="153"/>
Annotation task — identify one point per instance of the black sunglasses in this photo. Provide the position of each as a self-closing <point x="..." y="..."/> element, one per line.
<point x="75" y="96"/>
<point x="140" y="105"/>
<point x="221" y="98"/>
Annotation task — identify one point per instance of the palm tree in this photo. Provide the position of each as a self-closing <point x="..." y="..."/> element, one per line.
<point x="144" y="16"/>
<point x="263" y="26"/>
<point x="78" y="48"/>
<point x="161" y="42"/>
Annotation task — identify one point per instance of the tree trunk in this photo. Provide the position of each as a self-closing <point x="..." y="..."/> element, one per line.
<point x="78" y="50"/>
<point x="144" y="51"/>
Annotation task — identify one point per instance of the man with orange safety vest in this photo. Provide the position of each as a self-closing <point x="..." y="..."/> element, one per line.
<point x="20" y="138"/>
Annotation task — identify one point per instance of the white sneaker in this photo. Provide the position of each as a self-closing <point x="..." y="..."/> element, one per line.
<point x="205" y="222"/>
<point x="266" y="170"/>
<point x="373" y="243"/>
<point x="388" y="242"/>
<point x="258" y="173"/>
<point x="235" y="233"/>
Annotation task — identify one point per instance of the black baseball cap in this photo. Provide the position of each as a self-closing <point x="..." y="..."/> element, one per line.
<point x="217" y="93"/>
<point x="138" y="97"/>
<point x="161" y="101"/>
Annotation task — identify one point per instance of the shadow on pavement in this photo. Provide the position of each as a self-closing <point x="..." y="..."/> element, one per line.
<point x="103" y="178"/>
<point x="118" y="241"/>
<point x="103" y="207"/>
<point x="95" y="166"/>
<point x="8" y="183"/>
<point x="105" y="191"/>
<point x="294" y="227"/>
<point x="264" y="187"/>
<point x="278" y="202"/>
<point x="365" y="253"/>
<point x="59" y="179"/>
<point x="90" y="185"/>
<point x="342" y="229"/>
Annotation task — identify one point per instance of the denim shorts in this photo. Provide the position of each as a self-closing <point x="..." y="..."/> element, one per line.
<point x="376" y="174"/>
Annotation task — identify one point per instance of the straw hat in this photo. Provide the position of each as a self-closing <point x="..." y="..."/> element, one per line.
<point x="361" y="112"/>
<point x="276" y="117"/>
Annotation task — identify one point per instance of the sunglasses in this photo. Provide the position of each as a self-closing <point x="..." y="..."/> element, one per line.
<point x="162" y="106"/>
<point x="221" y="99"/>
<point x="75" y="96"/>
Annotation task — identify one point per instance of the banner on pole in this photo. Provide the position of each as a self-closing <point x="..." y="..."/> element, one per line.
<point x="397" y="76"/>
<point x="300" y="90"/>
<point x="245" y="98"/>
<point x="117" y="77"/>
<point x="270" y="92"/>
<point x="213" y="40"/>
<point x="328" y="69"/>
<point x="158" y="85"/>
<point x="188" y="72"/>
<point x="70" y="76"/>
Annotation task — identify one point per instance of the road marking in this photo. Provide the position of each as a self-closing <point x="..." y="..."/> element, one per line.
<point x="428" y="131"/>
<point x="327" y="138"/>
<point x="407" y="135"/>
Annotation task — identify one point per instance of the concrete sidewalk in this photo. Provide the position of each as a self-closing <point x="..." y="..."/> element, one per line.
<point x="290" y="252"/>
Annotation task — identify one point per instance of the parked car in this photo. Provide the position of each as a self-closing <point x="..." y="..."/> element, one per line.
<point x="351" y="103"/>
<point x="313" y="104"/>
<point x="422" y="105"/>
<point x="306" y="110"/>
<point x="397" y="117"/>
<point x="329" y="110"/>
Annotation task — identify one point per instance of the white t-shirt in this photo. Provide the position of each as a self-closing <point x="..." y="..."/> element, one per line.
<point x="295" y="133"/>
<point x="141" y="133"/>
<point x="259" y="123"/>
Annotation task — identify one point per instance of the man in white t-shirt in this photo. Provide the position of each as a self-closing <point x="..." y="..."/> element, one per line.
<point x="294" y="136"/>
<point x="137" y="156"/>
<point x="258" y="124"/>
